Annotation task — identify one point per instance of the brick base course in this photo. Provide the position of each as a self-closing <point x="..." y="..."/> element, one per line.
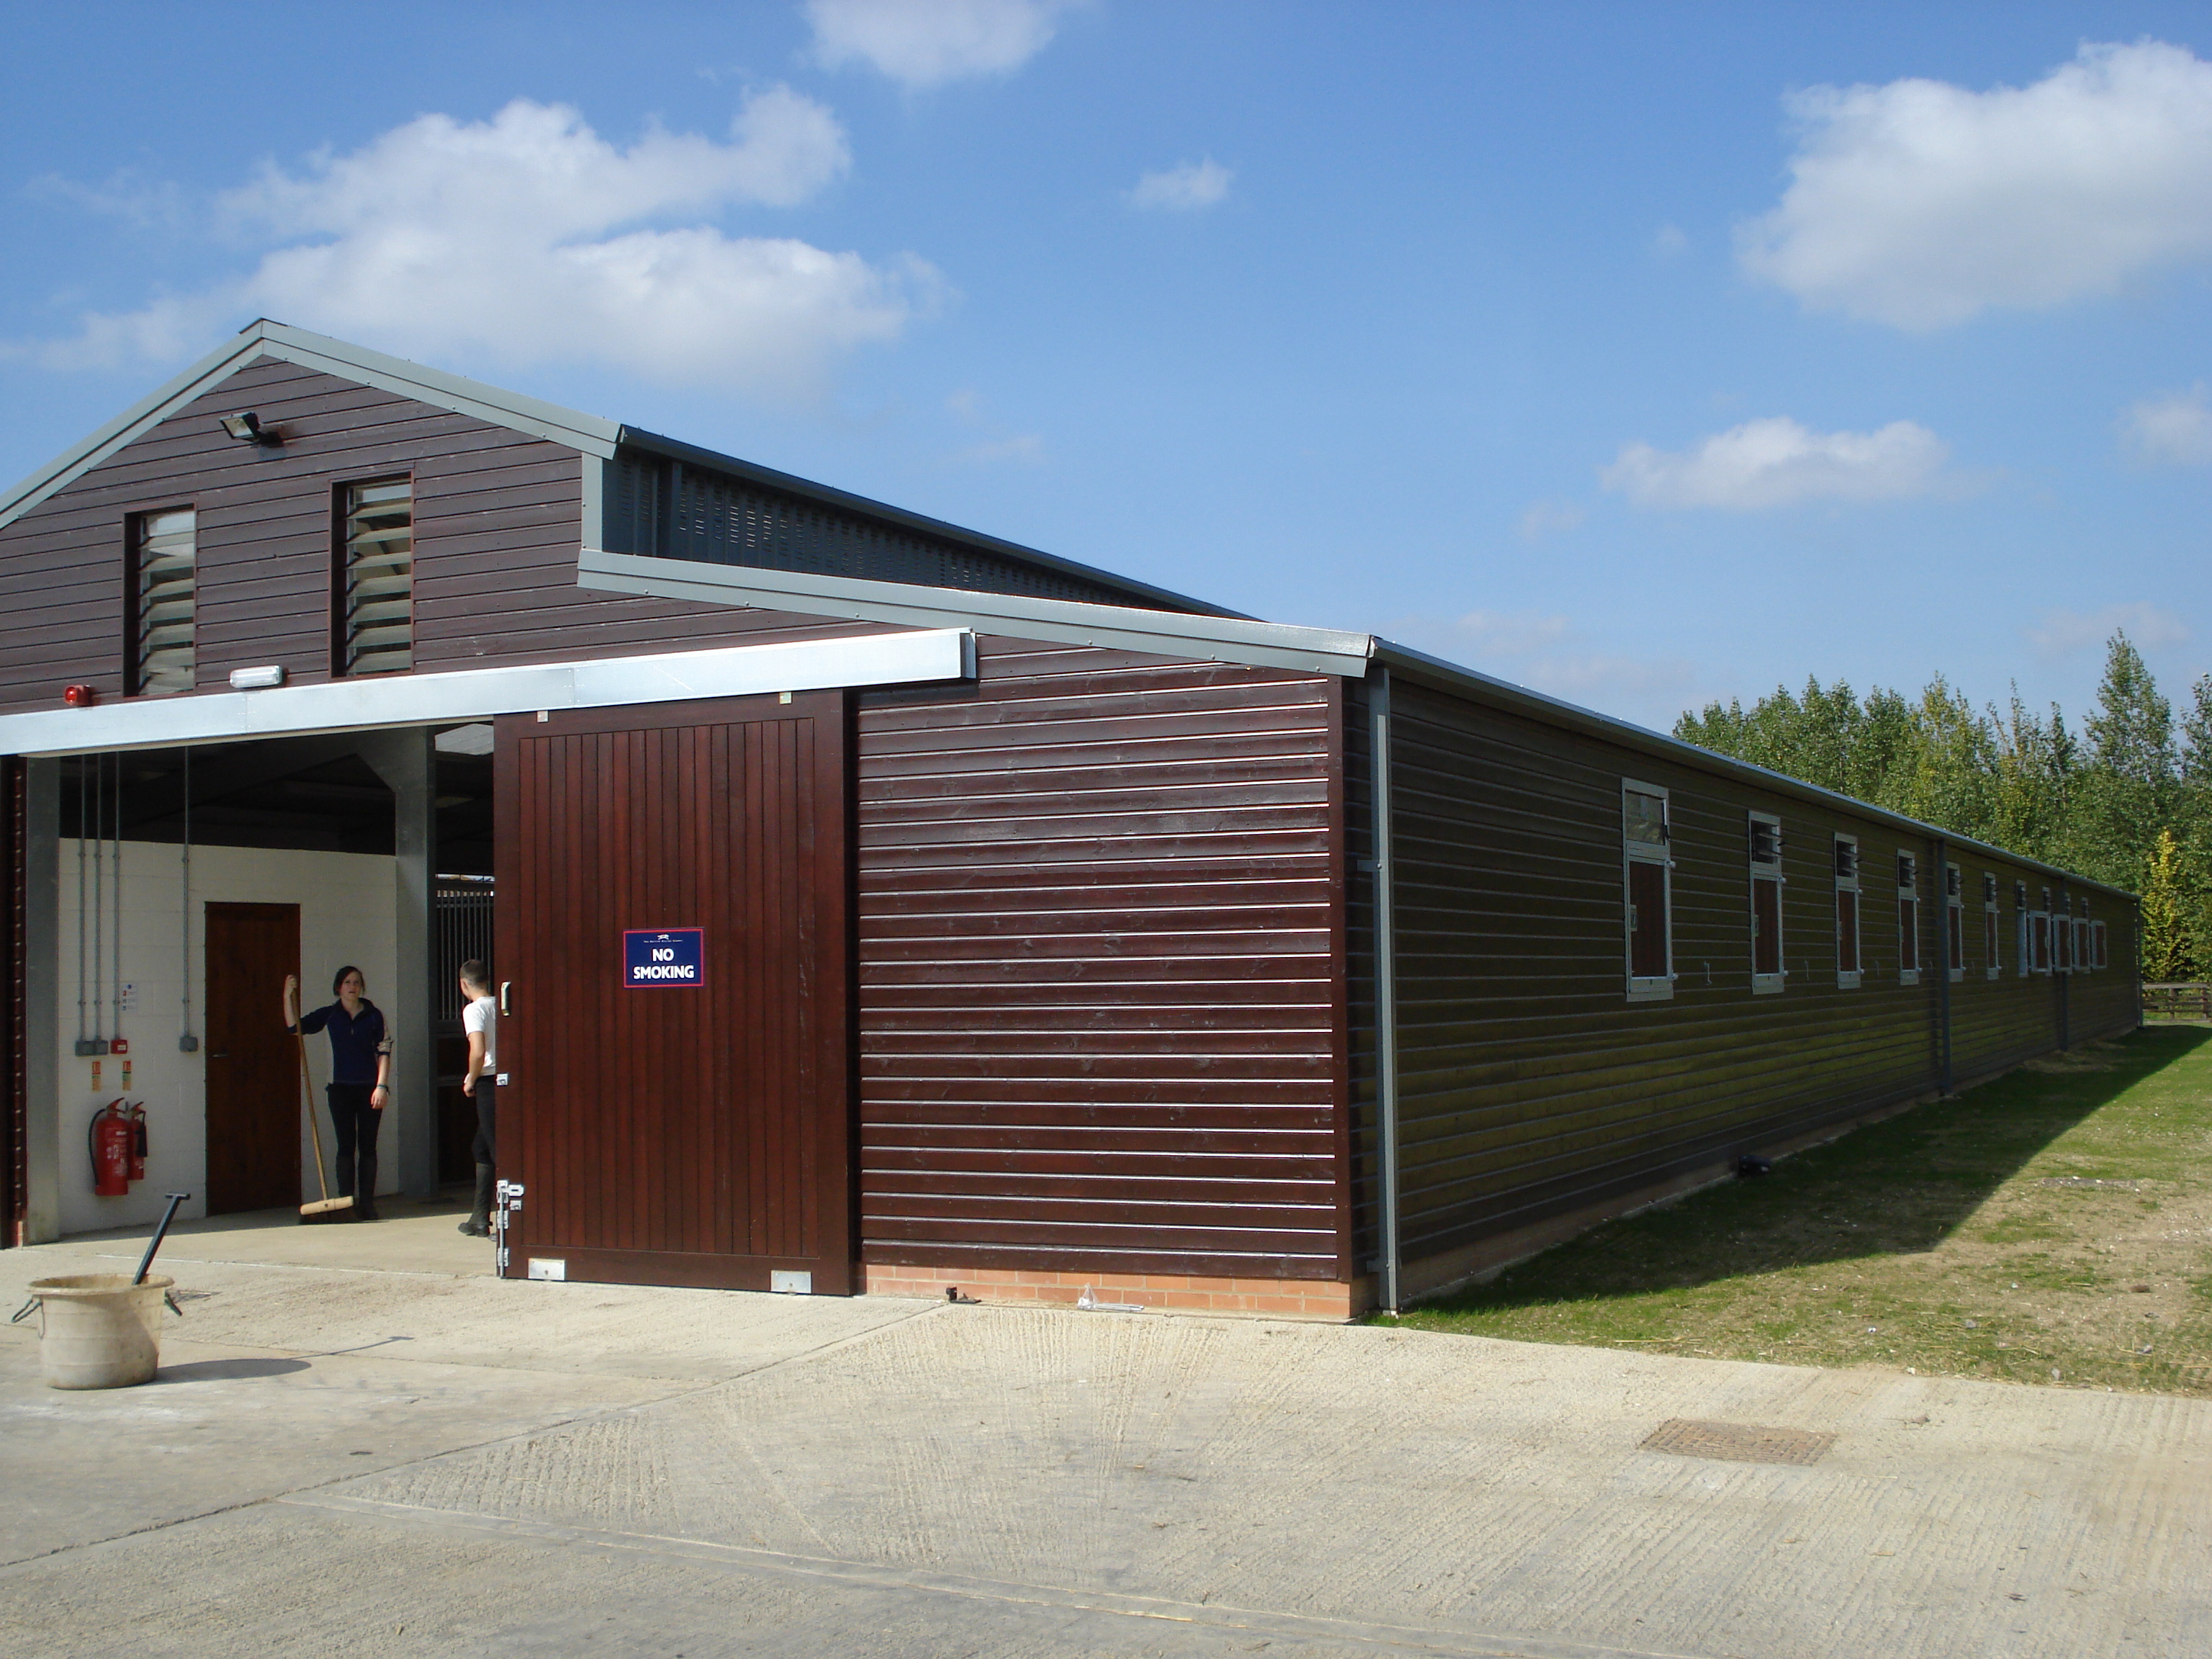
<point x="1271" y="1298"/>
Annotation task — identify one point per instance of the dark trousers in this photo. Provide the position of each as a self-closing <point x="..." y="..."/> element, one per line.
<point x="357" y="1122"/>
<point x="486" y="1144"/>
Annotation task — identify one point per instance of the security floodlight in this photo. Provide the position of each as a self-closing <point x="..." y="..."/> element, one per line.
<point x="247" y="427"/>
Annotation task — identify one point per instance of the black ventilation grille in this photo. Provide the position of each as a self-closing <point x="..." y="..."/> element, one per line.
<point x="664" y="508"/>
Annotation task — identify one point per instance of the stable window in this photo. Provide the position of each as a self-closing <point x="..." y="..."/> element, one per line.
<point x="2062" y="937"/>
<point x="2100" y="942"/>
<point x="2039" y="927"/>
<point x="1992" y="958"/>
<point x="2024" y="944"/>
<point x="2082" y="953"/>
<point x="375" y="615"/>
<point x="1908" y="920"/>
<point x="1647" y="866"/>
<point x="1767" y="973"/>
<point x="1847" y="910"/>
<point x="163" y="565"/>
<point x="1954" y="921"/>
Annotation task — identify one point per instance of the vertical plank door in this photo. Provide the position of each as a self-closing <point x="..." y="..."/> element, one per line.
<point x="676" y="1134"/>
<point x="252" y="1067"/>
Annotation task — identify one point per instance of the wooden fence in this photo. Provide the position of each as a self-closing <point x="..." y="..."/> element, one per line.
<point x="2178" y="1001"/>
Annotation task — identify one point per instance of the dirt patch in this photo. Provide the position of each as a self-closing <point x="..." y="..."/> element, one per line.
<point x="2053" y="1225"/>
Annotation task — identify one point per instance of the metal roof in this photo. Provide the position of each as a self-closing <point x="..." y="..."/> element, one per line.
<point x="589" y="433"/>
<point x="1190" y="628"/>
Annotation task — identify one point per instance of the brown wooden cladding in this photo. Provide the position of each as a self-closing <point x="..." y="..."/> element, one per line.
<point x="497" y="526"/>
<point x="1529" y="1083"/>
<point x="1101" y="1006"/>
<point x="678" y="1134"/>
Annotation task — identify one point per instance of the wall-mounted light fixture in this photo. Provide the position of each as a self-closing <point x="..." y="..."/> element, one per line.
<point x="257" y="679"/>
<point x="247" y="427"/>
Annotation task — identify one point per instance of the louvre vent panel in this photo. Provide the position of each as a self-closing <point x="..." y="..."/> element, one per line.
<point x="667" y="509"/>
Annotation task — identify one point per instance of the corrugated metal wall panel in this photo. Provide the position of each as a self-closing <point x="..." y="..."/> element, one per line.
<point x="1098" y="987"/>
<point x="1530" y="1086"/>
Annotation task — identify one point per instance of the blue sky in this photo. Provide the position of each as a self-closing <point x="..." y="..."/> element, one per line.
<point x="1643" y="354"/>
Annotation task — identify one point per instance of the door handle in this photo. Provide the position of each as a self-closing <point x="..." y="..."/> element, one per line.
<point x="504" y="985"/>
<point x="220" y="1053"/>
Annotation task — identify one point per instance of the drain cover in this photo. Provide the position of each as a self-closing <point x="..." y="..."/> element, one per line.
<point x="1738" y="1443"/>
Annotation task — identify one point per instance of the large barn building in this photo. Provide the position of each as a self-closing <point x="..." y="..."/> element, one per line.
<point x="1031" y="928"/>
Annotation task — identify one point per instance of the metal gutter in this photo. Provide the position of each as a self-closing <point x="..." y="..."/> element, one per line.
<point x="1066" y="622"/>
<point x="915" y="657"/>
<point x="1468" y="682"/>
<point x="1386" y="987"/>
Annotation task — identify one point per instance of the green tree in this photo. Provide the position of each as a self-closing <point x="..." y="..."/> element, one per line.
<point x="2036" y="760"/>
<point x="2167" y="957"/>
<point x="2130" y="783"/>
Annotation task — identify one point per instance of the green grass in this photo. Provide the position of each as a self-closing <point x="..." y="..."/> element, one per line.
<point x="2052" y="1220"/>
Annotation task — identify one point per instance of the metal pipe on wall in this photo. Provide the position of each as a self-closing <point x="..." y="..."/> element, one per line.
<point x="98" y="830"/>
<point x="115" y="796"/>
<point x="83" y="799"/>
<point x="1942" y="966"/>
<point x="1386" y="986"/>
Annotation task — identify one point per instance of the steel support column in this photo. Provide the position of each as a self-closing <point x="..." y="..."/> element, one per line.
<point x="407" y="761"/>
<point x="41" y="1220"/>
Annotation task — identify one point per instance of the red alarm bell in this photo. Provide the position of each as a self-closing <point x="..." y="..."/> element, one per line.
<point x="79" y="697"/>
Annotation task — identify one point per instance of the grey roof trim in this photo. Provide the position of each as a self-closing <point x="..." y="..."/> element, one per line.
<point x="899" y="515"/>
<point x="459" y="695"/>
<point x="266" y="340"/>
<point x="1066" y="622"/>
<point x="1466" y="682"/>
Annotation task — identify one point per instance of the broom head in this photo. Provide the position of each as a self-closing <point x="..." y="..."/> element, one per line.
<point x="326" y="1209"/>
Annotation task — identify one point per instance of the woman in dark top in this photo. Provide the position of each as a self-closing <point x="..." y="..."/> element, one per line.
<point x="361" y="1069"/>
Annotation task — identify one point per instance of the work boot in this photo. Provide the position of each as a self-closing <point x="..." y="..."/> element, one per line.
<point x="478" y="1225"/>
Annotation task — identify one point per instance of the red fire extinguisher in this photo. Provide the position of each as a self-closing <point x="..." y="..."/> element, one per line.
<point x="111" y="1139"/>
<point x="138" y="1140"/>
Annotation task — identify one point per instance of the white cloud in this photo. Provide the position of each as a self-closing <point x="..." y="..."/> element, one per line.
<point x="2175" y="428"/>
<point x="1182" y="189"/>
<point x="2064" y="633"/>
<point x="1025" y="447"/>
<point x="926" y="43"/>
<point x="1919" y="204"/>
<point x="1548" y="518"/>
<point x="1669" y="241"/>
<point x="1775" y="462"/>
<point x="529" y="237"/>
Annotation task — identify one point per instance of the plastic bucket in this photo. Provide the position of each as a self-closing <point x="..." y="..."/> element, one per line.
<point x="99" y="1330"/>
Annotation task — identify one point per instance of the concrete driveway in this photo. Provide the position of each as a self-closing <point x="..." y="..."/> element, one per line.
<point x="426" y="1461"/>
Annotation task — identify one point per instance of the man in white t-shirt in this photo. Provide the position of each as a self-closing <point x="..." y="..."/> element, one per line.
<point x="480" y="1021"/>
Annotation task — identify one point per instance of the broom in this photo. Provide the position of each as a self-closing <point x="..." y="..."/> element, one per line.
<point x="325" y="1208"/>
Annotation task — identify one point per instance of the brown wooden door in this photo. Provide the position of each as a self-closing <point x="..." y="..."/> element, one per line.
<point x="252" y="1073"/>
<point x="664" y="1133"/>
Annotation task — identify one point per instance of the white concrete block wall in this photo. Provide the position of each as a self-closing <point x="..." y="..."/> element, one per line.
<point x="347" y="913"/>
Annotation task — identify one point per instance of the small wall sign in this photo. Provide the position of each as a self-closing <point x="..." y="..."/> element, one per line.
<point x="664" y="957"/>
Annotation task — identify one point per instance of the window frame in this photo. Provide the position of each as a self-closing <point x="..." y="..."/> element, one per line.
<point x="2024" y="930"/>
<point x="1769" y="871"/>
<point x="2061" y="937"/>
<point x="1954" y="921"/>
<point x="1992" y="933"/>
<point x="2100" y="941"/>
<point x="1647" y="987"/>
<point x="135" y="526"/>
<point x="1849" y="978"/>
<point x="341" y="510"/>
<point x="1908" y="917"/>
<point x="2039" y="927"/>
